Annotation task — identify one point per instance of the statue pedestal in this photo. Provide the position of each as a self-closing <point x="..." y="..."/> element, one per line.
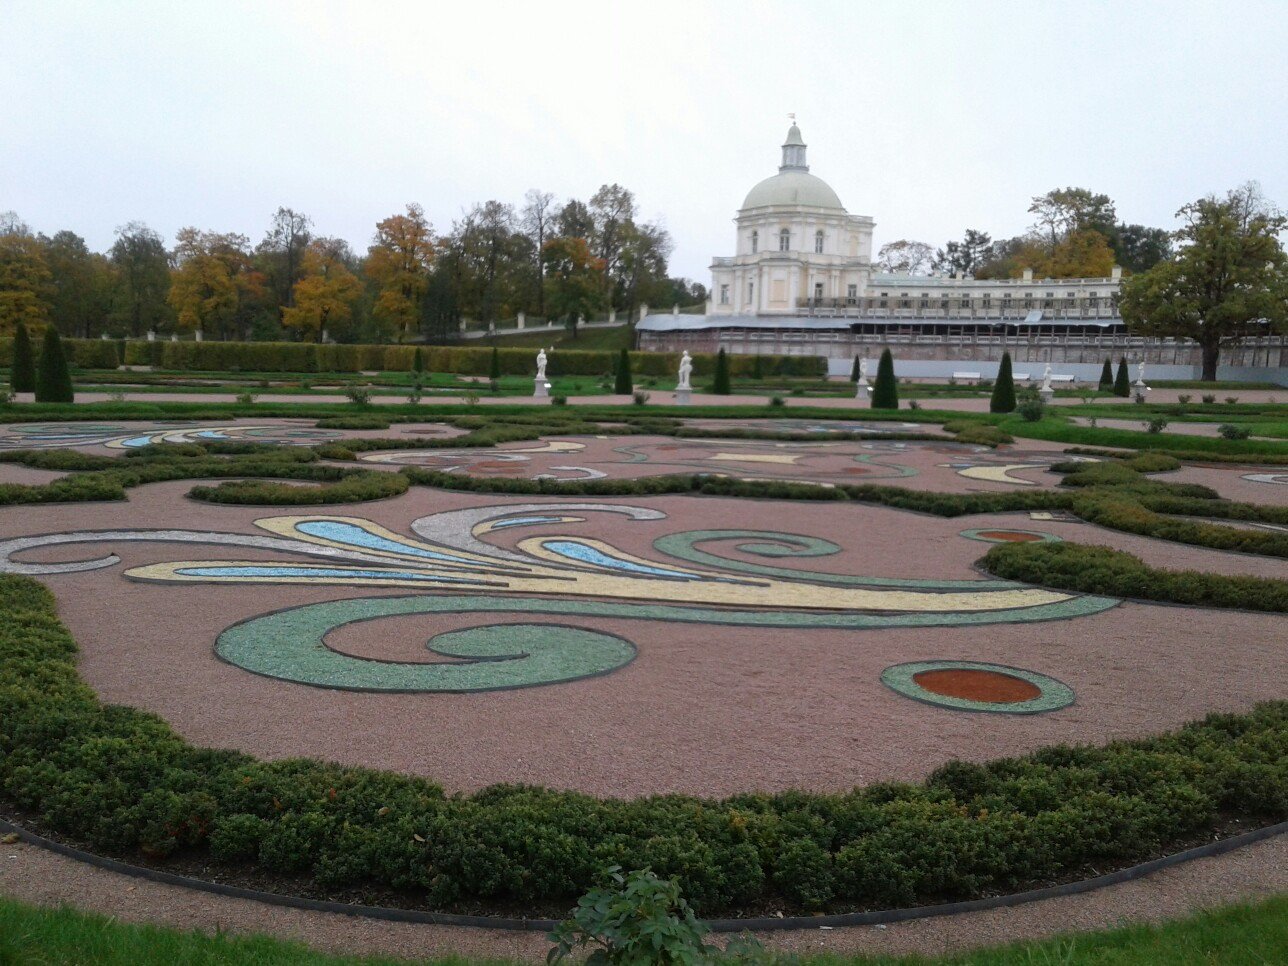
<point x="1046" y="395"/>
<point x="541" y="389"/>
<point x="863" y="394"/>
<point x="1139" y="389"/>
<point x="682" y="397"/>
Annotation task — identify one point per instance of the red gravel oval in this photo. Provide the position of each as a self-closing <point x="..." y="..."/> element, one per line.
<point x="1009" y="536"/>
<point x="991" y="687"/>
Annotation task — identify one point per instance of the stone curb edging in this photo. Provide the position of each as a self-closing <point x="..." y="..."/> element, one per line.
<point x="763" y="923"/>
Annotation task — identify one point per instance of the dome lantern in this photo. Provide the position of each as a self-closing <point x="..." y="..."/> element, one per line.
<point x="794" y="151"/>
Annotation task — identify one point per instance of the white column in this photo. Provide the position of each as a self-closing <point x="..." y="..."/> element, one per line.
<point x="522" y="318"/>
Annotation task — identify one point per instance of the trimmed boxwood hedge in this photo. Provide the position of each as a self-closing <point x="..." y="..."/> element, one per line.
<point x="1103" y="570"/>
<point x="361" y="486"/>
<point x="1113" y="494"/>
<point x="467" y="360"/>
<point x="122" y="781"/>
<point x="81" y="353"/>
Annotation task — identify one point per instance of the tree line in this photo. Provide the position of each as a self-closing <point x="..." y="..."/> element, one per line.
<point x="547" y="259"/>
<point x="1076" y="233"/>
<point x="1218" y="279"/>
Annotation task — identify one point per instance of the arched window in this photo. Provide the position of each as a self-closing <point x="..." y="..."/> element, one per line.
<point x="818" y="242"/>
<point x="784" y="240"/>
<point x="755" y="241"/>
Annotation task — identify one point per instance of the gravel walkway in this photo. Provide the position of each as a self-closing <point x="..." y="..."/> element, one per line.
<point x="33" y="875"/>
<point x="703" y="709"/>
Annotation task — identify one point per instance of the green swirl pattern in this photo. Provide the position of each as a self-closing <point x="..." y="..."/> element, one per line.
<point x="291" y="644"/>
<point x="683" y="546"/>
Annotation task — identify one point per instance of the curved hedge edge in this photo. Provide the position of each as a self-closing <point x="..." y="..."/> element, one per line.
<point x="363" y="486"/>
<point x="1090" y="569"/>
<point x="756" y="923"/>
<point x="1191" y="456"/>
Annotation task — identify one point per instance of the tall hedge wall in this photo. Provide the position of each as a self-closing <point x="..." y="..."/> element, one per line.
<point x="83" y="353"/>
<point x="465" y="360"/>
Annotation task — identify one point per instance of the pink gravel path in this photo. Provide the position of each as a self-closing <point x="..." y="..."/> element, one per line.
<point x="35" y="876"/>
<point x="704" y="710"/>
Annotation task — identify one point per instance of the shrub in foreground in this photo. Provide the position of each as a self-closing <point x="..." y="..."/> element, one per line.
<point x="121" y="780"/>
<point x="22" y="368"/>
<point x="1003" y="398"/>
<point x="53" y="378"/>
<point x="885" y="391"/>
<point x="1102" y="570"/>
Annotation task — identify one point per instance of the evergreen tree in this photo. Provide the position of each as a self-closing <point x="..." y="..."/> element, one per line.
<point x="22" y="369"/>
<point x="418" y="361"/>
<point x="1003" y="400"/>
<point x="1122" y="384"/>
<point x="721" y="385"/>
<point x="885" y="392"/>
<point x="1107" y="377"/>
<point x="494" y="370"/>
<point x="854" y="370"/>
<point x="623" y="386"/>
<point x="53" y="380"/>
<point x="757" y="368"/>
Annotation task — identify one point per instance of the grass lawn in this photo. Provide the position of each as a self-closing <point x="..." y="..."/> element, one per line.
<point x="1234" y="935"/>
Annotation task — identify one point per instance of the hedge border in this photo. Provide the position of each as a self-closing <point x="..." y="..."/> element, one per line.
<point x="753" y="923"/>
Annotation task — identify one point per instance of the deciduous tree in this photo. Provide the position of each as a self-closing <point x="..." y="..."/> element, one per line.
<point x="906" y="257"/>
<point x="574" y="280"/>
<point x="538" y="223"/>
<point x="204" y="290"/>
<point x="142" y="279"/>
<point x="327" y="291"/>
<point x="283" y="251"/>
<point x="80" y="283"/>
<point x="1228" y="280"/>
<point x="398" y="261"/>
<point x="1062" y="211"/>
<point x="25" y="283"/>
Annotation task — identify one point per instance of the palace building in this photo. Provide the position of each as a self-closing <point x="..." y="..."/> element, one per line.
<point x="802" y="281"/>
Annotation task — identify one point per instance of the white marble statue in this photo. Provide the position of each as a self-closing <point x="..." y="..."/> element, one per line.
<point x="863" y="371"/>
<point x="1140" y="373"/>
<point x="1046" y="378"/>
<point x="686" y="367"/>
<point x="541" y="365"/>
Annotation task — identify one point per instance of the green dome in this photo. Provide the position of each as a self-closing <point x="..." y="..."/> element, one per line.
<point x="791" y="188"/>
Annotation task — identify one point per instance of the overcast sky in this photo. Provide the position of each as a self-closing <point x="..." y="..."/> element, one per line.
<point x="930" y="117"/>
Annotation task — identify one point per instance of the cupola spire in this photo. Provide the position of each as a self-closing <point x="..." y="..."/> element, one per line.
<point x="793" y="149"/>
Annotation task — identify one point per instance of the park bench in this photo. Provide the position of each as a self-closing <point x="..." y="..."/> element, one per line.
<point x="967" y="375"/>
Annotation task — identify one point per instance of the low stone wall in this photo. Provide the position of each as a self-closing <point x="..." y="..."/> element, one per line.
<point x="1260" y="360"/>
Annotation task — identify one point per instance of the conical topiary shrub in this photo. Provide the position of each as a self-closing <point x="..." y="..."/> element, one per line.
<point x="885" y="392"/>
<point x="418" y="361"/>
<point x="757" y="368"/>
<point x="622" y="384"/>
<point x="22" y="369"/>
<point x="720" y="385"/>
<point x="854" y="370"/>
<point x="494" y="370"/>
<point x="1122" y="384"/>
<point x="1003" y="399"/>
<point x="1107" y="377"/>
<point x="53" y="380"/>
